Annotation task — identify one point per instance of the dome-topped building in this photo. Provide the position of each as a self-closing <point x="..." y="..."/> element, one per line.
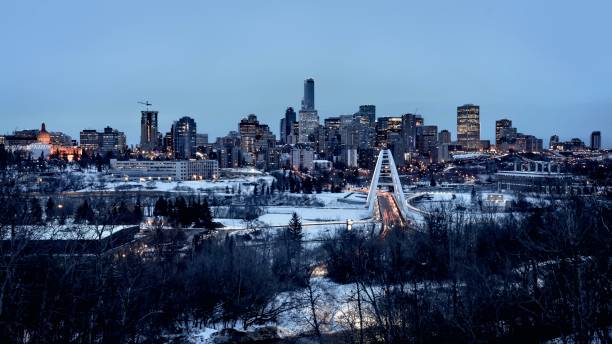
<point x="43" y="136"/>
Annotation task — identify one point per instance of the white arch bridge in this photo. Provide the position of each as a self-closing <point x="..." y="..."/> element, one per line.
<point x="386" y="195"/>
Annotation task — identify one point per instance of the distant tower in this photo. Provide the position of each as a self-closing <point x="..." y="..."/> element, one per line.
<point x="184" y="138"/>
<point x="308" y="103"/>
<point x="148" y="130"/>
<point x="596" y="140"/>
<point x="468" y="126"/>
<point x="308" y="116"/>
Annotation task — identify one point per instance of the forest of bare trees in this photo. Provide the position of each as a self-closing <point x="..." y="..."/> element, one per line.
<point x="531" y="277"/>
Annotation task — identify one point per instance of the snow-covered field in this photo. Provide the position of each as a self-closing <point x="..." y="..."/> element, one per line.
<point x="334" y="209"/>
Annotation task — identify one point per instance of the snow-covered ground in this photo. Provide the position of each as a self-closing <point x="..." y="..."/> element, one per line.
<point x="317" y="221"/>
<point x="245" y="184"/>
<point x="67" y="231"/>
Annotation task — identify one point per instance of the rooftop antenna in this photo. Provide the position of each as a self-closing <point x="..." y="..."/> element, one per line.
<point x="145" y="103"/>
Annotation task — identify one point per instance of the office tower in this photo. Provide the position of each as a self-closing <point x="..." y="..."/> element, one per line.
<point x="248" y="134"/>
<point x="409" y="130"/>
<point x="553" y="142"/>
<point x="444" y="137"/>
<point x="287" y="124"/>
<point x="596" y="140"/>
<point x="112" y="141"/>
<point x="385" y="126"/>
<point x="89" y="140"/>
<point x="184" y="138"/>
<point x="308" y="103"/>
<point x="256" y="142"/>
<point x="228" y="150"/>
<point x="148" y="131"/>
<point x="167" y="143"/>
<point x="308" y="116"/>
<point x="501" y="128"/>
<point x="468" y="126"/>
<point x="201" y="140"/>
<point x="368" y="112"/>
<point x="308" y="124"/>
<point x="427" y="139"/>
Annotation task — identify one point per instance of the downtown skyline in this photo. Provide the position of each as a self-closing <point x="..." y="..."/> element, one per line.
<point x="72" y="69"/>
<point x="230" y="122"/>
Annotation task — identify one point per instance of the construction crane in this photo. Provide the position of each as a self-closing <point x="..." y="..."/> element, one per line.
<point x="145" y="103"/>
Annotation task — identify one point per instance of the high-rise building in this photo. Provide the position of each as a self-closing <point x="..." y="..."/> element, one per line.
<point x="444" y="137"/>
<point x="596" y="140"/>
<point x="89" y="140"/>
<point x="308" y="117"/>
<point x="287" y="124"/>
<point x="111" y="141"/>
<point x="427" y="138"/>
<point x="468" y="126"/>
<point x="228" y="150"/>
<point x="248" y="134"/>
<point x="184" y="138"/>
<point x="369" y="112"/>
<point x="501" y="128"/>
<point x="256" y="142"/>
<point x="149" y="136"/>
<point x="410" y="122"/>
<point x="385" y="126"/>
<point x="167" y="144"/>
<point x="308" y="102"/>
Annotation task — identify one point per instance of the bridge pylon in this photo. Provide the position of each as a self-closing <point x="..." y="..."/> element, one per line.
<point x="385" y="175"/>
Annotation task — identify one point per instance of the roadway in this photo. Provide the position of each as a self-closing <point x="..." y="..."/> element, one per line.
<point x="389" y="212"/>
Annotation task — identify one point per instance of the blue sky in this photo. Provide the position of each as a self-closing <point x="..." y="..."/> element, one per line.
<point x="85" y="64"/>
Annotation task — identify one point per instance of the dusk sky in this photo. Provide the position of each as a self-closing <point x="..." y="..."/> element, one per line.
<point x="547" y="65"/>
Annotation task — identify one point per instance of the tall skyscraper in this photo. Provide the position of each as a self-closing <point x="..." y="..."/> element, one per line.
<point x="308" y="102"/>
<point x="184" y="138"/>
<point x="148" y="130"/>
<point x="596" y="140"/>
<point x="308" y="116"/>
<point x="409" y="130"/>
<point x="468" y="126"/>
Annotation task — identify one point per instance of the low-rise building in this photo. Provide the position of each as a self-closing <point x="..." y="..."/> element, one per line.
<point x="166" y="169"/>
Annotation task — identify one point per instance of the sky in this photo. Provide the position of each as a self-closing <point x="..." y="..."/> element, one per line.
<point x="547" y="65"/>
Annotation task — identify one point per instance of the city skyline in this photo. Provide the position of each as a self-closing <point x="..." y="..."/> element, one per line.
<point x="529" y="66"/>
<point x="135" y="138"/>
